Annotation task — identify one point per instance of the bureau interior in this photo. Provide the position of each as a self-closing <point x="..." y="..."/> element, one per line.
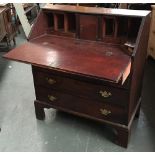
<point x="109" y="29"/>
<point x="100" y="30"/>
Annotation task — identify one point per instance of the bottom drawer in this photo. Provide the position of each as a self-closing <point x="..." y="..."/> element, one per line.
<point x="81" y="105"/>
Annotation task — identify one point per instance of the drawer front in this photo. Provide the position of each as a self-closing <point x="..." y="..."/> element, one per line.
<point x="88" y="27"/>
<point x="83" y="106"/>
<point x="79" y="88"/>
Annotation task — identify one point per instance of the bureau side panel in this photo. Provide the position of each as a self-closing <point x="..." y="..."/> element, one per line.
<point x="39" y="27"/>
<point x="151" y="45"/>
<point x="138" y="64"/>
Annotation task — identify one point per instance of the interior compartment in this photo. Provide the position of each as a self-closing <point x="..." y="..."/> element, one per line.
<point x="109" y="26"/>
<point x="71" y="22"/>
<point x="132" y="33"/>
<point x="133" y="29"/>
<point x="122" y="27"/>
<point x="60" y="21"/>
<point x="50" y="20"/>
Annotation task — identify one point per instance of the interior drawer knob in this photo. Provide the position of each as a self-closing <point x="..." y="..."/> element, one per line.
<point x="50" y="81"/>
<point x="51" y="98"/>
<point x="105" y="94"/>
<point x="105" y="112"/>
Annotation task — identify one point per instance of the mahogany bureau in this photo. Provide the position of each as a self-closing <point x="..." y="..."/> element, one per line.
<point x="88" y="62"/>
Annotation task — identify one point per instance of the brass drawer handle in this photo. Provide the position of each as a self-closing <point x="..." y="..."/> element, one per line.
<point x="51" y="98"/>
<point x="50" y="81"/>
<point x="105" y="112"/>
<point x="105" y="94"/>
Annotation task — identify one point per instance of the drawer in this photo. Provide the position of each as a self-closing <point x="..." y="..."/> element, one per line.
<point x="81" y="105"/>
<point x="83" y="89"/>
<point x="88" y="27"/>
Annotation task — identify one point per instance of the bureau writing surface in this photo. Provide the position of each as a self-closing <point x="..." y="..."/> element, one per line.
<point x="72" y="56"/>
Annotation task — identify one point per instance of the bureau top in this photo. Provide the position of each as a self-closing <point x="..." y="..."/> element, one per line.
<point x="93" y="10"/>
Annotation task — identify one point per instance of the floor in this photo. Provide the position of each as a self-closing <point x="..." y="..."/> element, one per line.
<point x="21" y="131"/>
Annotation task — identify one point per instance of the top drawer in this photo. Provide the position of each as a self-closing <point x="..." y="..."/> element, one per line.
<point x="81" y="88"/>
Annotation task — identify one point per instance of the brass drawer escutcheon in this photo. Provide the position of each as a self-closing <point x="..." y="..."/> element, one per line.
<point x="105" y="112"/>
<point x="105" y="94"/>
<point x="51" y="98"/>
<point x="50" y="81"/>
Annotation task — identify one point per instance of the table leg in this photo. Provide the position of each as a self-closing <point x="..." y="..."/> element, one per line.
<point x="39" y="110"/>
<point x="122" y="136"/>
<point x="138" y="112"/>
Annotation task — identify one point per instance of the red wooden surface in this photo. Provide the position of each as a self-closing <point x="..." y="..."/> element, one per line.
<point x="82" y="57"/>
